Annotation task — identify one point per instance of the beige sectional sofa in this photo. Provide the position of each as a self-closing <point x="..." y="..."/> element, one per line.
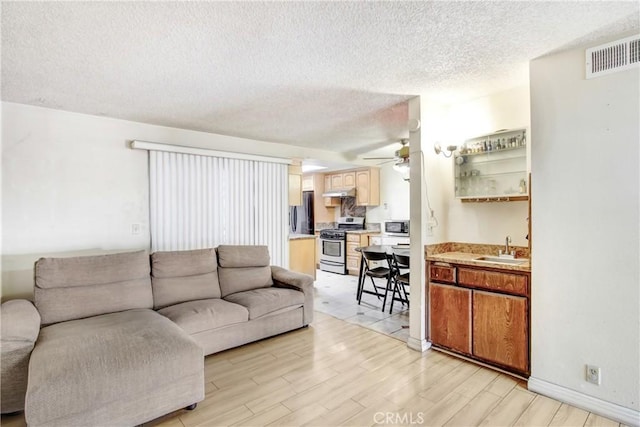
<point x="123" y="336"/>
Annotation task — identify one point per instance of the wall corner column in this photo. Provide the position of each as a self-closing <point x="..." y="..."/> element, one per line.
<point x="417" y="313"/>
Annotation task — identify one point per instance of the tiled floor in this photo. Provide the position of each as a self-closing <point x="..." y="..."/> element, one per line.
<point x="336" y="296"/>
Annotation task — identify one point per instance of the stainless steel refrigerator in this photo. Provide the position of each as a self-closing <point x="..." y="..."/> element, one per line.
<point x="301" y="217"/>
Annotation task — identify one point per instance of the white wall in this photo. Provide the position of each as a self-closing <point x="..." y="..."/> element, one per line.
<point x="71" y="185"/>
<point x="484" y="222"/>
<point x="586" y="215"/>
<point x="394" y="196"/>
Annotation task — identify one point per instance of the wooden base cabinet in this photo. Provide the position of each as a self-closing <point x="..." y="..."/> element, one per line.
<point x="302" y="256"/>
<point x="450" y="324"/>
<point x="354" y="257"/>
<point x="482" y="314"/>
<point x="500" y="332"/>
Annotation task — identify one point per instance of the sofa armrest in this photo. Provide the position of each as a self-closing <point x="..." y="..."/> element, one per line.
<point x="284" y="278"/>
<point x="20" y="329"/>
<point x="20" y="321"/>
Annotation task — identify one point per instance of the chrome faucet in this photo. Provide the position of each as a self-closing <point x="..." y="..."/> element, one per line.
<point x="507" y="251"/>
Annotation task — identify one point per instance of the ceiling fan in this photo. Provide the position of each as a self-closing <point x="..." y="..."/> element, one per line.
<point x="400" y="159"/>
<point x="400" y="156"/>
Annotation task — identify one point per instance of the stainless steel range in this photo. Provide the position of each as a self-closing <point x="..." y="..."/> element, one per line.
<point x="333" y="245"/>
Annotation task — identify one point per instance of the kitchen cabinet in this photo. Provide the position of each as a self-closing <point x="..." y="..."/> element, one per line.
<point x="481" y="313"/>
<point x="295" y="185"/>
<point x="307" y="182"/>
<point x="318" y="249"/>
<point x="321" y="213"/>
<point x="332" y="202"/>
<point x="500" y="332"/>
<point x="302" y="255"/>
<point x="365" y="181"/>
<point x="492" y="167"/>
<point x="451" y="317"/>
<point x="354" y="257"/>
<point x="368" y="187"/>
<point x="340" y="180"/>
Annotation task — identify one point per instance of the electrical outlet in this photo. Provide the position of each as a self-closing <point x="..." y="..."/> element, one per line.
<point x="432" y="223"/>
<point x="593" y="374"/>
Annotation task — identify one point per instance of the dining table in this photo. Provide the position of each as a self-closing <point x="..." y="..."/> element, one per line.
<point x="387" y="249"/>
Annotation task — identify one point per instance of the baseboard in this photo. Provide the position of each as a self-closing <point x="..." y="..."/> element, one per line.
<point x="618" y="413"/>
<point x="418" y="344"/>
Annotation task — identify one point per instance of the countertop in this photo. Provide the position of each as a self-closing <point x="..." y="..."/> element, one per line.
<point x="301" y="236"/>
<point x="466" y="258"/>
<point x="363" y="231"/>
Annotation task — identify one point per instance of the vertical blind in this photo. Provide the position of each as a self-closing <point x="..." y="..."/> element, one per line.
<point x="201" y="202"/>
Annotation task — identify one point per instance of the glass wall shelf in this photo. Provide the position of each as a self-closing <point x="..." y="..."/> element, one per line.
<point x="492" y="167"/>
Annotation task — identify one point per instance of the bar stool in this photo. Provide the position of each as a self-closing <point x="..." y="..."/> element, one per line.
<point x="400" y="280"/>
<point x="375" y="272"/>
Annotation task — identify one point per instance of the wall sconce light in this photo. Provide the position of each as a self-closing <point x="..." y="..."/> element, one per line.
<point x="451" y="148"/>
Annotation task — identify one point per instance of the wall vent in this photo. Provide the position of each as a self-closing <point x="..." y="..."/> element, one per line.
<point x="612" y="57"/>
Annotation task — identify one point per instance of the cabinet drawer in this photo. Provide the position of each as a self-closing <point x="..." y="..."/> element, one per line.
<point x="353" y="262"/>
<point x="442" y="273"/>
<point x="351" y="249"/>
<point x="491" y="280"/>
<point x="353" y="238"/>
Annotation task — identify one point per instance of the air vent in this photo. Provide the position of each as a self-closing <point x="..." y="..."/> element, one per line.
<point x="613" y="57"/>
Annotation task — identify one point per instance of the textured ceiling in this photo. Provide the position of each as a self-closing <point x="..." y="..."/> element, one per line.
<point x="332" y="75"/>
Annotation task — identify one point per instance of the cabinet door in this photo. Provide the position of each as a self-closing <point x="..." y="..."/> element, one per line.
<point x="336" y="181"/>
<point x="349" y="179"/>
<point x="307" y="183"/>
<point x="327" y="183"/>
<point x="362" y="188"/>
<point x="500" y="329"/>
<point x="302" y="255"/>
<point x="331" y="202"/>
<point x="450" y="317"/>
<point x="295" y="189"/>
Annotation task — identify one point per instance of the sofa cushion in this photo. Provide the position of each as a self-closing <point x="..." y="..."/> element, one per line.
<point x="242" y="268"/>
<point x="203" y="315"/>
<point x="77" y="287"/>
<point x="261" y="302"/>
<point x="81" y="364"/>
<point x="181" y="276"/>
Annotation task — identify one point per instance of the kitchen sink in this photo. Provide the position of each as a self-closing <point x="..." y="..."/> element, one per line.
<point x="501" y="260"/>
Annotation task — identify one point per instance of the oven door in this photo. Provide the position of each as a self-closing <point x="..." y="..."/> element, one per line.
<point x="332" y="250"/>
<point x="332" y="256"/>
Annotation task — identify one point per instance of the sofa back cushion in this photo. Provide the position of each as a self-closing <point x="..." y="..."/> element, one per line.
<point x="78" y="287"/>
<point x="242" y="268"/>
<point x="182" y="276"/>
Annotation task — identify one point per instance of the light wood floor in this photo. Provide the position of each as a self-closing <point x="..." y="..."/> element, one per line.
<point x="336" y="373"/>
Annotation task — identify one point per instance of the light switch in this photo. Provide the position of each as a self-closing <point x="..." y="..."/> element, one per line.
<point x="135" y="229"/>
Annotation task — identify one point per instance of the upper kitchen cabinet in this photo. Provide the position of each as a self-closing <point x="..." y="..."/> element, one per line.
<point x="295" y="185"/>
<point x="335" y="181"/>
<point x="307" y="183"/>
<point x="365" y="181"/>
<point x="368" y="187"/>
<point x="491" y="168"/>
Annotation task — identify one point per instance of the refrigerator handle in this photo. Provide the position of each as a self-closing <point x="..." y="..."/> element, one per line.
<point x="293" y="218"/>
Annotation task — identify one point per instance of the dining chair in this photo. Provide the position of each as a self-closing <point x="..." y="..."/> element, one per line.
<point x="372" y="272"/>
<point x="400" y="280"/>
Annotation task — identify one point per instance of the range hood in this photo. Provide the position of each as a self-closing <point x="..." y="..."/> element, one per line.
<point x="341" y="192"/>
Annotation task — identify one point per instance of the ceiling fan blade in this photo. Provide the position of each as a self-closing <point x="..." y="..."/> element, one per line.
<point x="378" y="158"/>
